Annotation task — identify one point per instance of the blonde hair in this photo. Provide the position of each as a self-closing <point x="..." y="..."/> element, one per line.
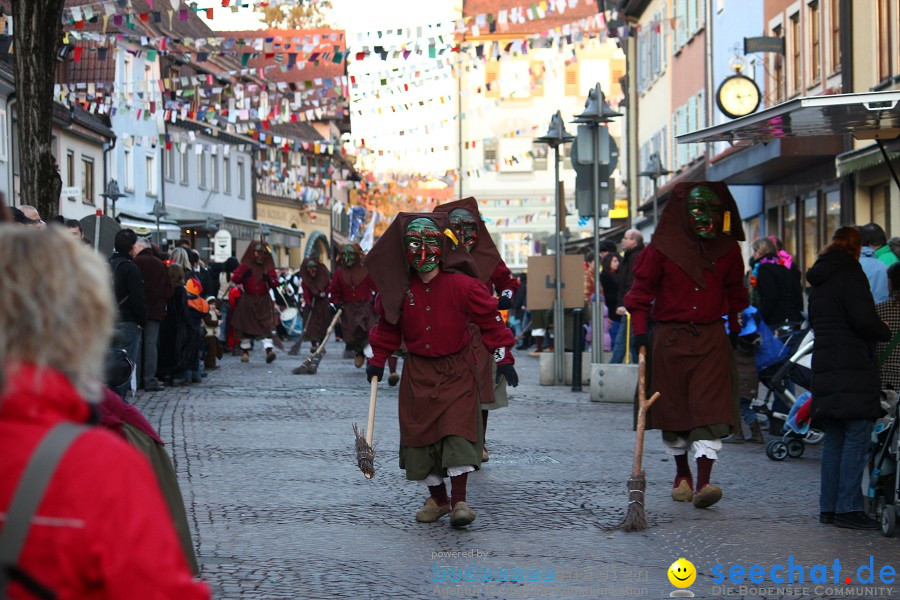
<point x="180" y="257"/>
<point x="764" y="246"/>
<point x="56" y="306"/>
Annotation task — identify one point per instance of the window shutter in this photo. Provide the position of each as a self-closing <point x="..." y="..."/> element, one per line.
<point x="492" y="79"/>
<point x="537" y="78"/>
<point x="571" y="83"/>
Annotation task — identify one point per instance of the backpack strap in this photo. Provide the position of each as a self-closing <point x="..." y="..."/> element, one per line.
<point x="30" y="491"/>
<point x="887" y="351"/>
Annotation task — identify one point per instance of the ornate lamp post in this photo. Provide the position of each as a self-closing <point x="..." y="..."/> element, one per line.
<point x="556" y="136"/>
<point x="654" y="171"/>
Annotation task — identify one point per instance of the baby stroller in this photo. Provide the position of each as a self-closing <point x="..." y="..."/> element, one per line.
<point x="881" y="486"/>
<point x="780" y="371"/>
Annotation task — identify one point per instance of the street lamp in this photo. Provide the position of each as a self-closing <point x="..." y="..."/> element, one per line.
<point x="556" y="136"/>
<point x="159" y="211"/>
<point x="597" y="112"/>
<point x="654" y="171"/>
<point x="112" y="193"/>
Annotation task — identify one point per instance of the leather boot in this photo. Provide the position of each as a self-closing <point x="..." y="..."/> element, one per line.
<point x="756" y="434"/>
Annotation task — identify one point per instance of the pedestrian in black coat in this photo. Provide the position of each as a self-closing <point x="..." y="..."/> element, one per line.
<point x="845" y="382"/>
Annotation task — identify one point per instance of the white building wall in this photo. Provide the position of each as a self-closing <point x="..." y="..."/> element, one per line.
<point x="80" y="163"/>
<point x="517" y="196"/>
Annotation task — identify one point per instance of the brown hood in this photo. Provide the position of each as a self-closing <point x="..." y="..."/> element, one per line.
<point x="678" y="242"/>
<point x="485" y="253"/>
<point x="323" y="276"/>
<point x="268" y="263"/>
<point x="389" y="269"/>
<point x="357" y="273"/>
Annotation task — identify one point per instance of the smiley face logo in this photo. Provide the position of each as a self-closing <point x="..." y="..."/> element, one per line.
<point x="682" y="573"/>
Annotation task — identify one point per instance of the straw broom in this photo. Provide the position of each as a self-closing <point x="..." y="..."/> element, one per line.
<point x="309" y="367"/>
<point x="636" y="519"/>
<point x="365" y="451"/>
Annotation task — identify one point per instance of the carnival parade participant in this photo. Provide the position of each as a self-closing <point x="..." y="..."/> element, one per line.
<point x="689" y="276"/>
<point x="253" y="315"/>
<point x="467" y="224"/>
<point x="353" y="290"/>
<point x="315" y="279"/>
<point x="428" y="294"/>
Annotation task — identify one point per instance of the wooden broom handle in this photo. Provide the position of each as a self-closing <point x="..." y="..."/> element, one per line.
<point x="643" y="406"/>
<point x="371" y="424"/>
<point x="325" y="339"/>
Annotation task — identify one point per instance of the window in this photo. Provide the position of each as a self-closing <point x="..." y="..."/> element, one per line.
<point x="87" y="180"/>
<point x="201" y="169"/>
<point x="796" y="63"/>
<point x="883" y="41"/>
<point x="4" y="137"/>
<point x="490" y="154"/>
<point x="539" y="154"/>
<point x="70" y="168"/>
<point x="151" y="175"/>
<point x="129" y="170"/>
<point x="778" y="79"/>
<point x="881" y="213"/>
<point x="227" y="164"/>
<point x="835" y="31"/>
<point x="240" y="176"/>
<point x="790" y="227"/>
<point x="815" y="46"/>
<point x="214" y="172"/>
<point x="772" y="224"/>
<point x="515" y="79"/>
<point x="128" y="76"/>
<point x="810" y="230"/>
<point x="832" y="214"/>
<point x="170" y="164"/>
<point x="184" y="167"/>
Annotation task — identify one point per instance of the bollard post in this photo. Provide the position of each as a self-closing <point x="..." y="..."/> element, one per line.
<point x="578" y="336"/>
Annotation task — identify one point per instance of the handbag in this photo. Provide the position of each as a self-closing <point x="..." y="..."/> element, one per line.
<point x="771" y="350"/>
<point x="118" y="367"/>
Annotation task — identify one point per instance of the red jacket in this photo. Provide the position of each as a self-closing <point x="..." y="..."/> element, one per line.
<point x="102" y="529"/>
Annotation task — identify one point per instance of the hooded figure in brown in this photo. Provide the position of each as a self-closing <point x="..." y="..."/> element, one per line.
<point x="428" y="295"/>
<point x="254" y="314"/>
<point x="354" y="290"/>
<point x="469" y="227"/>
<point x="687" y="279"/>
<point x="315" y="279"/>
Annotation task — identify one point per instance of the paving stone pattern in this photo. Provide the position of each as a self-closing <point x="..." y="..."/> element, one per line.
<point x="280" y="509"/>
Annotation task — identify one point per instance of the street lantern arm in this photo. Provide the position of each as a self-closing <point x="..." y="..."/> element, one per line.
<point x="556" y="133"/>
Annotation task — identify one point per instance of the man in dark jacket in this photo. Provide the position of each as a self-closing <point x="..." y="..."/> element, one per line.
<point x="632" y="244"/>
<point x="129" y="290"/>
<point x="157" y="290"/>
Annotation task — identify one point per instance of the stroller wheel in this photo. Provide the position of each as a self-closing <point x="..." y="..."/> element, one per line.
<point x="795" y="448"/>
<point x="888" y="520"/>
<point x="777" y="450"/>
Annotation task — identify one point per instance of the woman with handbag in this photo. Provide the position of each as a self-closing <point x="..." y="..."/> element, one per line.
<point x="845" y="383"/>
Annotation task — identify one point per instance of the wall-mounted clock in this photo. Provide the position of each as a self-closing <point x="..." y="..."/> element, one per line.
<point x="738" y="96"/>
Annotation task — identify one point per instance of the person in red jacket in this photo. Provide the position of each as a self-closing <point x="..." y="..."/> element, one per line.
<point x="467" y="224"/>
<point x="315" y="279"/>
<point x="101" y="528"/>
<point x="428" y="296"/>
<point x="254" y="314"/>
<point x="354" y="290"/>
<point x="689" y="276"/>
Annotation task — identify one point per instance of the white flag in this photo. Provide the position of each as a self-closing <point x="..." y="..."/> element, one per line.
<point x="368" y="238"/>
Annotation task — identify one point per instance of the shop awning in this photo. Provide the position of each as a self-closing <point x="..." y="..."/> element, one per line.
<point x="861" y="159"/>
<point x="146" y="227"/>
<point x="871" y="115"/>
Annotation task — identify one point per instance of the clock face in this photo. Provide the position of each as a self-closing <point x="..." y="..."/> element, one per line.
<point x="738" y="96"/>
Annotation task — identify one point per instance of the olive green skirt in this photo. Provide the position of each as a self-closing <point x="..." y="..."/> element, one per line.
<point x="435" y="459"/>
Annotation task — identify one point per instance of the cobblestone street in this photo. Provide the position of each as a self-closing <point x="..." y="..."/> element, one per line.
<point x="280" y="509"/>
